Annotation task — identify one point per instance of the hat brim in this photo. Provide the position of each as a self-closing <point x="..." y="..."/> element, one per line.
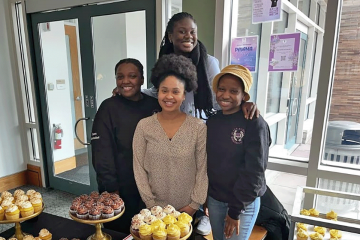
<point x="216" y="79"/>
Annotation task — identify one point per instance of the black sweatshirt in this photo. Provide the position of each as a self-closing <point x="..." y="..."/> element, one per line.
<point x="111" y="141"/>
<point x="237" y="151"/>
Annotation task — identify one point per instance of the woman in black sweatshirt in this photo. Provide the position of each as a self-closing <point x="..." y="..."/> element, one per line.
<point x="237" y="151"/>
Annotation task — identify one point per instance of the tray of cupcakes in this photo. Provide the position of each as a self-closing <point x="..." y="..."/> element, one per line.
<point x="161" y="224"/>
<point x="97" y="208"/>
<point x="20" y="206"/>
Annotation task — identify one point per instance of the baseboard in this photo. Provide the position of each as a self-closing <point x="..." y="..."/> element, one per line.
<point x="65" y="165"/>
<point x="33" y="175"/>
<point x="13" y="181"/>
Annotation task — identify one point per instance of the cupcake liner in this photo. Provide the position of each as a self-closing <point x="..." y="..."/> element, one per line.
<point x="12" y="217"/>
<point x="37" y="208"/>
<point x="73" y="212"/>
<point x="26" y="213"/>
<point x="173" y="238"/>
<point x="135" y="232"/>
<point x="94" y="217"/>
<point x="146" y="237"/>
<point x="162" y="238"/>
<point x="107" y="215"/>
<point x="82" y="216"/>
<point x="184" y="233"/>
<point x="117" y="211"/>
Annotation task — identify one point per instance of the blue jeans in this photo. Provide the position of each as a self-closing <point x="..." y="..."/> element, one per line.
<point x="218" y="211"/>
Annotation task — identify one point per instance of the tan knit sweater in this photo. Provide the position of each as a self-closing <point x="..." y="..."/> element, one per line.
<point x="171" y="171"/>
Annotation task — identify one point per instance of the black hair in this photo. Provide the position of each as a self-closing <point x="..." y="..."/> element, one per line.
<point x="175" y="65"/>
<point x="198" y="56"/>
<point x="136" y="62"/>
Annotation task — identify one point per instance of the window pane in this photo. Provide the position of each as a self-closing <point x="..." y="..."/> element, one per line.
<point x="342" y="146"/>
<point x="304" y="6"/>
<point x="33" y="145"/>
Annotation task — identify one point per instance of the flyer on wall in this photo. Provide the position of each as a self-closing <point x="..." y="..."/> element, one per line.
<point x="284" y="52"/>
<point x="244" y="52"/>
<point x="266" y="11"/>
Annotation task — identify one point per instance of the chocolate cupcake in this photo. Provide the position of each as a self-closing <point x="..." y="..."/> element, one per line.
<point x="108" y="202"/>
<point x="82" y="212"/>
<point x="74" y="207"/>
<point x="99" y="205"/>
<point x="89" y="204"/>
<point x="117" y="207"/>
<point x="105" y="194"/>
<point x="77" y="200"/>
<point x="114" y="196"/>
<point x="94" y="214"/>
<point x="94" y="194"/>
<point x="107" y="212"/>
<point x="83" y="197"/>
<point x="101" y="199"/>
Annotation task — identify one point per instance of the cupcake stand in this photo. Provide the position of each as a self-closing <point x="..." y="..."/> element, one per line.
<point x="18" y="233"/>
<point x="99" y="235"/>
<point x="183" y="238"/>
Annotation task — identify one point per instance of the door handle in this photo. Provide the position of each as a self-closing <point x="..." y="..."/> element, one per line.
<point x="76" y="135"/>
<point x="78" y="98"/>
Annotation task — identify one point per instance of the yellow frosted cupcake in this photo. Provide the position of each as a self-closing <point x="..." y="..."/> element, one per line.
<point x="184" y="228"/>
<point x="18" y="192"/>
<point x="44" y="234"/>
<point x="316" y="236"/>
<point x="158" y="223"/>
<point x="313" y="212"/>
<point x="159" y="234"/>
<point x="331" y="215"/>
<point x="2" y="213"/>
<point x="173" y="232"/>
<point x="302" y="226"/>
<point x="12" y="212"/>
<point x="320" y="230"/>
<point x="185" y="218"/>
<point x="26" y="209"/>
<point x="37" y="204"/>
<point x="302" y="235"/>
<point x="145" y="232"/>
<point x="169" y="219"/>
<point x="6" y="203"/>
<point x="335" y="233"/>
<point x="305" y="212"/>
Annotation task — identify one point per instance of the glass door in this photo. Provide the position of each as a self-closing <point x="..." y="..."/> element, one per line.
<point x="294" y="99"/>
<point x="75" y="51"/>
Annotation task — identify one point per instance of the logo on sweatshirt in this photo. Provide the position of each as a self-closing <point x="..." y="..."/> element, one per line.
<point x="237" y="135"/>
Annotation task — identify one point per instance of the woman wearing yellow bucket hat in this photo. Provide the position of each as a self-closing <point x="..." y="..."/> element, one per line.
<point x="237" y="151"/>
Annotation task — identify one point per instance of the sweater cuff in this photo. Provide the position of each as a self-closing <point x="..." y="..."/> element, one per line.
<point x="234" y="213"/>
<point x="150" y="203"/>
<point x="194" y="205"/>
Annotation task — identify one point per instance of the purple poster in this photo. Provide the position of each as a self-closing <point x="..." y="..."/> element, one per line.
<point x="244" y="52"/>
<point x="284" y="52"/>
<point x="266" y="10"/>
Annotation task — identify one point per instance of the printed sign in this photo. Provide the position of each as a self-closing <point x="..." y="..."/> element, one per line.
<point x="266" y="11"/>
<point x="284" y="52"/>
<point x="244" y="52"/>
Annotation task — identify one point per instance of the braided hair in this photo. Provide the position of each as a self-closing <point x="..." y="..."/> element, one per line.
<point x="203" y="95"/>
<point x="136" y="62"/>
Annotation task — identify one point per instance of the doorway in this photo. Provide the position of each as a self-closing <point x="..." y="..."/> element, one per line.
<point x="75" y="52"/>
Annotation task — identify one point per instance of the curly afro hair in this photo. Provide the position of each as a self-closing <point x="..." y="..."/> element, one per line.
<point x="175" y="65"/>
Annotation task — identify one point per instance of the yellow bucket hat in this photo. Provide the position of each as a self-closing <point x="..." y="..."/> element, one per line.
<point x="239" y="71"/>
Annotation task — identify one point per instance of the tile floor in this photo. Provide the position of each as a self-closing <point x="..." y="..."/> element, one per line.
<point x="282" y="184"/>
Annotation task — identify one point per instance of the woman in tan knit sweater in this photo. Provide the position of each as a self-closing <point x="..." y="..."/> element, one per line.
<point x="170" y="147"/>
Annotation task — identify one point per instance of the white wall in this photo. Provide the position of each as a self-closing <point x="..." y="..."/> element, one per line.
<point x="11" y="157"/>
<point x="56" y="67"/>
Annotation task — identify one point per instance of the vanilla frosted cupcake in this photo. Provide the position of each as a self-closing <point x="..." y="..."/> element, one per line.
<point x="6" y="194"/>
<point x="169" y="209"/>
<point x="22" y="198"/>
<point x="1" y="238"/>
<point x="12" y="212"/>
<point x="173" y="232"/>
<point x="18" y="192"/>
<point x="135" y="226"/>
<point x="150" y="219"/>
<point x="36" y="195"/>
<point x="12" y="199"/>
<point x="137" y="217"/>
<point x="160" y="215"/>
<point x="313" y="212"/>
<point x="159" y="234"/>
<point x="302" y="235"/>
<point x="175" y="214"/>
<point x="6" y="203"/>
<point x="335" y="233"/>
<point x="184" y="228"/>
<point x="145" y="232"/>
<point x="305" y="212"/>
<point x="37" y="204"/>
<point x="320" y="230"/>
<point x="331" y="215"/>
<point x="2" y="213"/>
<point x="145" y="212"/>
<point x="316" y="236"/>
<point x="169" y="219"/>
<point x="26" y="209"/>
<point x="302" y="226"/>
<point x="30" y="192"/>
<point x="184" y="217"/>
<point x="156" y="209"/>
<point x="19" y="203"/>
<point x="28" y="237"/>
<point x="44" y="234"/>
